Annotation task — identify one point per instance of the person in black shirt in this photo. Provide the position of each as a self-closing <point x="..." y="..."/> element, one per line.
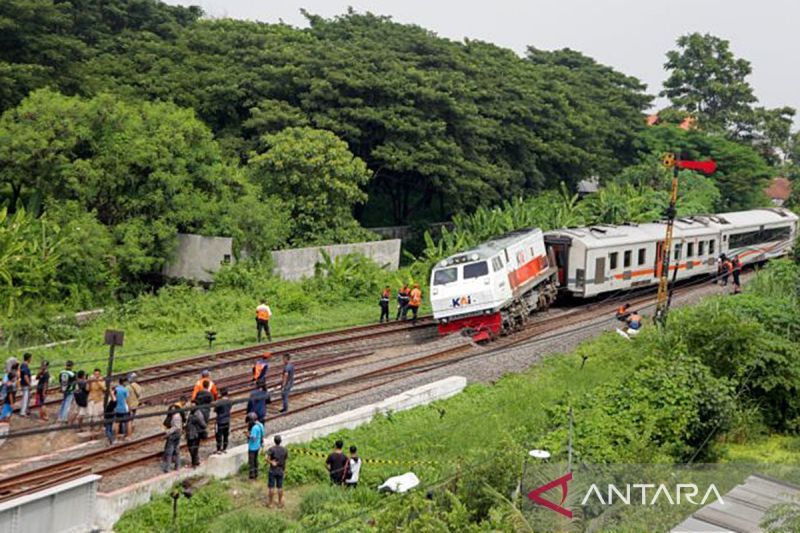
<point x="204" y="399"/>
<point x="81" y="397"/>
<point x="336" y="463"/>
<point x="43" y="380"/>
<point x="223" y="412"/>
<point x="276" y="457"/>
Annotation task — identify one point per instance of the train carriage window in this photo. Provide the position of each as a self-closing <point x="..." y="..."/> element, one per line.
<point x="701" y="248"/>
<point x="626" y="258"/>
<point x="476" y="270"/>
<point x="690" y="249"/>
<point x="642" y="256"/>
<point x="612" y="260"/>
<point x="711" y="247"/>
<point x="445" y="276"/>
<point x="497" y="264"/>
<point x="677" y="254"/>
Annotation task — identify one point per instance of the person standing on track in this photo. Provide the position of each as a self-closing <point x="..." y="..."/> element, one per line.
<point x="109" y="414"/>
<point x="204" y="399"/>
<point x="223" y="417"/>
<point x="403" y="296"/>
<point x="415" y="302"/>
<point x="257" y="403"/>
<point x="97" y="390"/>
<point x="8" y="393"/>
<point x="134" y="398"/>
<point x="260" y="369"/>
<point x="25" y="383"/>
<point x="255" y="441"/>
<point x="172" y="444"/>
<point x="384" y="303"/>
<point x="276" y="456"/>
<point x="205" y="375"/>
<point x="736" y="268"/>
<point x="195" y="428"/>
<point x="81" y="398"/>
<point x="287" y="381"/>
<point x="727" y="267"/>
<point x="66" y="380"/>
<point x="263" y="314"/>
<point x="120" y="394"/>
<point x="42" y="382"/>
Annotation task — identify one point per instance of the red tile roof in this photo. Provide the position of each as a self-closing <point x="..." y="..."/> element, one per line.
<point x="779" y="189"/>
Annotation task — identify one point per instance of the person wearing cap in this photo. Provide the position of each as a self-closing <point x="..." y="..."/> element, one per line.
<point x="205" y="375"/>
<point x="255" y="440"/>
<point x="134" y="398"/>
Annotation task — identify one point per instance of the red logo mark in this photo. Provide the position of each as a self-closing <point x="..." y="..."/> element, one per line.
<point x="535" y="495"/>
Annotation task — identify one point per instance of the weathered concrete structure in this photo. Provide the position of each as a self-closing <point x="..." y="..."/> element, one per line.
<point x="63" y="508"/>
<point x="197" y="258"/>
<point x="299" y="262"/>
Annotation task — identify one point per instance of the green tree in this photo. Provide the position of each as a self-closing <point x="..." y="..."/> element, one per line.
<point x="709" y="82"/>
<point x="319" y="180"/>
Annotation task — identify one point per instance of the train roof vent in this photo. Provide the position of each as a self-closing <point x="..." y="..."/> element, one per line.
<point x="597" y="229"/>
<point x="631" y="224"/>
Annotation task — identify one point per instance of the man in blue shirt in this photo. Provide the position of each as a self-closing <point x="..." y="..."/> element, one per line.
<point x="287" y="380"/>
<point x="255" y="438"/>
<point x="121" y="411"/>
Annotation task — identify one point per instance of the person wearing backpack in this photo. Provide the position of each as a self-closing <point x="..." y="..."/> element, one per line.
<point x="66" y="381"/>
<point x="81" y="398"/>
<point x="8" y="393"/>
<point x="42" y="382"/>
<point x="172" y="444"/>
<point x="353" y="469"/>
<point x="195" y="428"/>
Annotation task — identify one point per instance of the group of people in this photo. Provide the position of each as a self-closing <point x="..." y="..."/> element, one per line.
<point x="408" y="299"/>
<point x="632" y="319"/>
<point x="342" y="469"/>
<point x="82" y="395"/>
<point x="729" y="267"/>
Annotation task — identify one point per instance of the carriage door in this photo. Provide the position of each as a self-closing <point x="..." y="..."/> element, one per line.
<point x="558" y="254"/>
<point x="600" y="270"/>
<point x="659" y="264"/>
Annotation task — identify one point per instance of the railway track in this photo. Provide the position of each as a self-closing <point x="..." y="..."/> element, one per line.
<point x="147" y="450"/>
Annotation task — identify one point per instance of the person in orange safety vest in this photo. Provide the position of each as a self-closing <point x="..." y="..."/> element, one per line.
<point x="386" y="295"/>
<point x="623" y="312"/>
<point x="260" y="369"/>
<point x="414" y="302"/>
<point x="263" y="314"/>
<point x="205" y="376"/>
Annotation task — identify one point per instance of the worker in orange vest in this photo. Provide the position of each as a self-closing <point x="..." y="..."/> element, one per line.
<point x="384" y="303"/>
<point x="727" y="268"/>
<point x="623" y="313"/>
<point x="263" y="314"/>
<point x="205" y="376"/>
<point x="414" y="302"/>
<point x="260" y="369"/>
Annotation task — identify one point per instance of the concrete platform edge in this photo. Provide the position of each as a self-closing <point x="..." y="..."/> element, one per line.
<point x="110" y="506"/>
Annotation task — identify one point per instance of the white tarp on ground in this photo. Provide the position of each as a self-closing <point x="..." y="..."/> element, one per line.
<point x="401" y="483"/>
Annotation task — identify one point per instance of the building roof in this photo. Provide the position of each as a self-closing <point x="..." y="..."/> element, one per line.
<point x="743" y="507"/>
<point x="779" y="189"/>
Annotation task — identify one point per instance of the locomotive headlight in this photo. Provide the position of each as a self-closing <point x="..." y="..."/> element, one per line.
<point x="443" y="263"/>
<point x="474" y="257"/>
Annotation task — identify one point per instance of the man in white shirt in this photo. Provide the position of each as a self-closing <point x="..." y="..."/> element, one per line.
<point x="263" y="314"/>
<point x="353" y="469"/>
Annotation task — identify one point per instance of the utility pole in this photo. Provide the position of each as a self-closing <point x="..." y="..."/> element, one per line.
<point x="664" y="297"/>
<point x="112" y="339"/>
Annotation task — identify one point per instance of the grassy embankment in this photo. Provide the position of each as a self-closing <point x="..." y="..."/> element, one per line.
<point x="721" y="386"/>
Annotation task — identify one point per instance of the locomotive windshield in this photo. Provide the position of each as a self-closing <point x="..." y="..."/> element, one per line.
<point x="445" y="276"/>
<point x="476" y="270"/>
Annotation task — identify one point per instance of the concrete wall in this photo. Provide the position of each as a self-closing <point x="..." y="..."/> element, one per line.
<point x="110" y="506"/>
<point x="299" y="262"/>
<point x="405" y="233"/>
<point x="64" y="508"/>
<point x="198" y="257"/>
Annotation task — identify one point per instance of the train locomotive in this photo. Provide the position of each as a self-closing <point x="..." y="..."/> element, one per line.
<point x="493" y="288"/>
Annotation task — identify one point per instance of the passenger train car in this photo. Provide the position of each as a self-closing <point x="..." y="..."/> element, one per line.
<point x="493" y="288"/>
<point x="602" y="258"/>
